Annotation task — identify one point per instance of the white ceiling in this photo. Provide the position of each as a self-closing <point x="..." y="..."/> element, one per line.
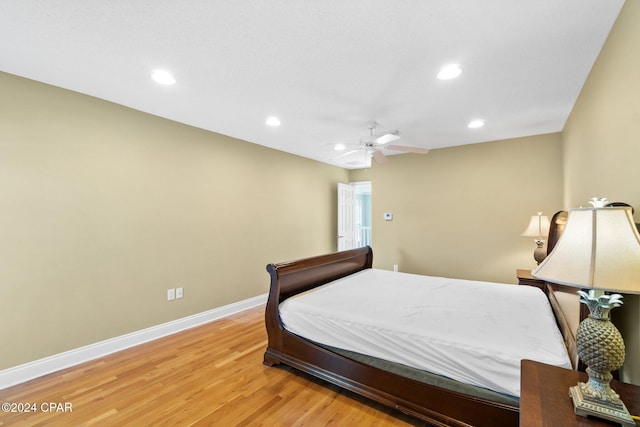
<point x="325" y="68"/>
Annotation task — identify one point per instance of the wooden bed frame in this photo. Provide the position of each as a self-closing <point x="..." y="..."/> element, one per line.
<point x="435" y="405"/>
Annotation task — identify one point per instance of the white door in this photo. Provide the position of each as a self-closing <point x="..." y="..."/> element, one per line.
<point x="346" y="217"/>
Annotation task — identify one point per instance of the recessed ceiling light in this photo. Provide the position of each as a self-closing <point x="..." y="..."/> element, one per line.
<point x="163" y="77"/>
<point x="449" y="72"/>
<point x="474" y="124"/>
<point x="273" y="121"/>
<point x="339" y="147"/>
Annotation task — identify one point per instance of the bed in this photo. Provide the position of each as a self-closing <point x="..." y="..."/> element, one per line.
<point x="436" y="399"/>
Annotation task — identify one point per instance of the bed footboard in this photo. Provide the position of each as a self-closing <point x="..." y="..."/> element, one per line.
<point x="294" y="277"/>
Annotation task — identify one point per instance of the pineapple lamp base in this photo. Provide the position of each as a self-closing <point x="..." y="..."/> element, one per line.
<point x="584" y="405"/>
<point x="601" y="347"/>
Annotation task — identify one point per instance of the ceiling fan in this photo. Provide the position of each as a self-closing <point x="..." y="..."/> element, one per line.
<point x="375" y="142"/>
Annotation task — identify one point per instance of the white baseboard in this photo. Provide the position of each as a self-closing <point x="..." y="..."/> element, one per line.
<point x="21" y="373"/>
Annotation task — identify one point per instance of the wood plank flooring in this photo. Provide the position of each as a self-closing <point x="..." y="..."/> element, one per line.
<point x="209" y="375"/>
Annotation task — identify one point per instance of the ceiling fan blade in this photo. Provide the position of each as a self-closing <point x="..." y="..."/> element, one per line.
<point x="387" y="137"/>
<point x="408" y="149"/>
<point x="380" y="158"/>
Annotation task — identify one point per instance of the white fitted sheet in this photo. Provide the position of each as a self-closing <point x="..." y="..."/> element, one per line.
<point x="473" y="332"/>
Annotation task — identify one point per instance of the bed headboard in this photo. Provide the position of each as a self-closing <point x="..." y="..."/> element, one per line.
<point x="564" y="299"/>
<point x="556" y="227"/>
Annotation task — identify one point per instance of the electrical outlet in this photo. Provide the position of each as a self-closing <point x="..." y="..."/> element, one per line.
<point x="171" y="294"/>
<point x="395" y="267"/>
<point x="179" y="293"/>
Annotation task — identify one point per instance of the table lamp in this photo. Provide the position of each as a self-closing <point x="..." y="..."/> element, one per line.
<point x="539" y="228"/>
<point x="599" y="251"/>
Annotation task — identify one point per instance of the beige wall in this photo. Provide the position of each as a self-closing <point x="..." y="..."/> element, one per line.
<point x="458" y="212"/>
<point x="602" y="135"/>
<point x="602" y="147"/>
<point x="103" y="208"/>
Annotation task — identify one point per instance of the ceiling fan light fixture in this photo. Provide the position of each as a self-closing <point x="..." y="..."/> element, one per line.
<point x="387" y="138"/>
<point x="449" y="72"/>
<point x="339" y="147"/>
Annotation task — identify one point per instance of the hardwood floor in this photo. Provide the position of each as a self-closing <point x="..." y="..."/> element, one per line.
<point x="209" y="375"/>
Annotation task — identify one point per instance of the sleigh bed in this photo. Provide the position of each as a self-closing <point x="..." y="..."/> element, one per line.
<point x="436" y="399"/>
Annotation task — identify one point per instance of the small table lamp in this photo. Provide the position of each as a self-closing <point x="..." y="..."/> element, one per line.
<point x="538" y="227"/>
<point x="599" y="250"/>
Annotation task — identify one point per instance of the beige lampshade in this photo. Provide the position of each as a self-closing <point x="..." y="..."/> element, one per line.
<point x="599" y="248"/>
<point x="538" y="226"/>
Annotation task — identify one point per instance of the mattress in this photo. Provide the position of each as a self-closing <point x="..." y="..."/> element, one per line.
<point x="473" y="332"/>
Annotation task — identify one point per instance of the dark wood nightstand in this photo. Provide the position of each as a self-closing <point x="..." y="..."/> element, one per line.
<point x="525" y="278"/>
<point x="545" y="401"/>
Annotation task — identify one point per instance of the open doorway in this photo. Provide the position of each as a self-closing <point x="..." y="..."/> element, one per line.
<point x="354" y="215"/>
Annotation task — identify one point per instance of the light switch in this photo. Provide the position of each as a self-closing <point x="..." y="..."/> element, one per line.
<point x="388" y="216"/>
